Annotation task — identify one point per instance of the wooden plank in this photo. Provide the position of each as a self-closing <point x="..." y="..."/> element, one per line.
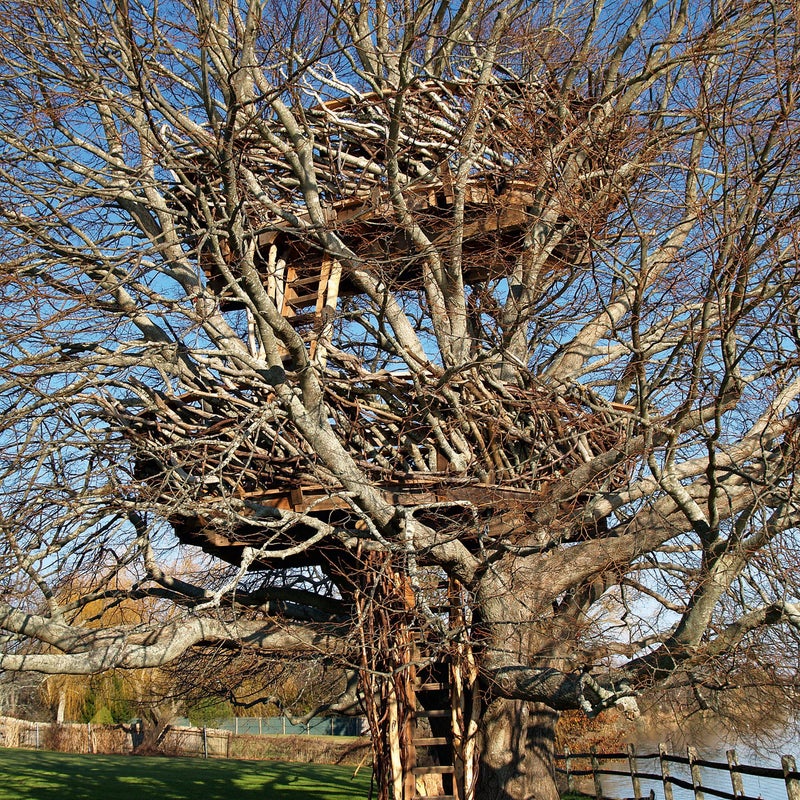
<point x="736" y="779"/>
<point x="790" y="776"/>
<point x="694" y="770"/>
<point x="435" y="797"/>
<point x="436" y="769"/>
<point x="297" y="499"/>
<point x="289" y="294"/>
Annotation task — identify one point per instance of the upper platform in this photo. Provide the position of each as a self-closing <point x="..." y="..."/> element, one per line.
<point x="403" y="179"/>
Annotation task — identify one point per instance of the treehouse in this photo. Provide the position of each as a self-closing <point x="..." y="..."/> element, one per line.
<point x="230" y="470"/>
<point x="224" y="487"/>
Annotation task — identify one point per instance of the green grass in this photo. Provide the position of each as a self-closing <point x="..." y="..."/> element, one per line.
<point x="40" y="775"/>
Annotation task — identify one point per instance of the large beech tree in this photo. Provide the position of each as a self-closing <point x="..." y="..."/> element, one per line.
<point x="462" y="330"/>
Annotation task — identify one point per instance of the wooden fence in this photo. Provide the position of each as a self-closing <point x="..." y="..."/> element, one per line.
<point x="89" y="738"/>
<point x="583" y="773"/>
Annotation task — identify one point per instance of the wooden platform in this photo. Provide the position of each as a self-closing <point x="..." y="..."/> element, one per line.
<point x="301" y="279"/>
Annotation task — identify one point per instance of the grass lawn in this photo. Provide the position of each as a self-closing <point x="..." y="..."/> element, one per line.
<point x="40" y="775"/>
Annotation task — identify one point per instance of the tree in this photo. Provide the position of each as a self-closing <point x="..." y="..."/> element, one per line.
<point x="475" y="322"/>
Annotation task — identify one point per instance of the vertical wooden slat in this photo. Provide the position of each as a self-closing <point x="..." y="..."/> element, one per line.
<point x="322" y="285"/>
<point x="289" y="293"/>
<point x="568" y="768"/>
<point x="457" y="707"/>
<point x="409" y="705"/>
<point x="665" y="776"/>
<point x="736" y="778"/>
<point x="598" y="784"/>
<point x="634" y="770"/>
<point x="272" y="278"/>
<point x="694" y="770"/>
<point x="332" y="273"/>
<point x="393" y="735"/>
<point x="789" y="776"/>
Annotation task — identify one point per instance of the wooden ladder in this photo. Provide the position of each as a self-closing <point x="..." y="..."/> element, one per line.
<point x="441" y="745"/>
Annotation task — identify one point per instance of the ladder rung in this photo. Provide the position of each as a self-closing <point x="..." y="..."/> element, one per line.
<point x="302" y="299"/>
<point x="429" y="741"/>
<point x="310" y="280"/>
<point x="438" y="769"/>
<point x="434" y="713"/>
<point x="434" y="797"/>
<point x="432" y="687"/>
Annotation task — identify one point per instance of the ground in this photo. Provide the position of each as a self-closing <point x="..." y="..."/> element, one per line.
<point x="39" y="775"/>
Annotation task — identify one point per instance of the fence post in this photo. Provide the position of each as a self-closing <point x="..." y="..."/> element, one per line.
<point x="790" y="776"/>
<point x="205" y="742"/>
<point x="736" y="777"/>
<point x="598" y="786"/>
<point x="89" y="747"/>
<point x="634" y="770"/>
<point x="37" y="735"/>
<point x="260" y="733"/>
<point x="665" y="777"/>
<point x="694" y="769"/>
<point x="568" y="768"/>
<point x="283" y="719"/>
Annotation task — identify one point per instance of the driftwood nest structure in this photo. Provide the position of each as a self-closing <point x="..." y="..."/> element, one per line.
<point x="221" y="459"/>
<point x="215" y="465"/>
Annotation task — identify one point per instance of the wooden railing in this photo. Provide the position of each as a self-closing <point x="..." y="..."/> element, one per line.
<point x="583" y="773"/>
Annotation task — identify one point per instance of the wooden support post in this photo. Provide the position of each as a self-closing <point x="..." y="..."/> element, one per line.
<point x="694" y="769"/>
<point x="322" y="285"/>
<point x="790" y="777"/>
<point x="665" y="777"/>
<point x="736" y="778"/>
<point x="289" y="293"/>
<point x="568" y="769"/>
<point x="393" y="735"/>
<point x="457" y="708"/>
<point x="634" y="770"/>
<point x="471" y="733"/>
<point x="327" y="298"/>
<point x="408" y="749"/>
<point x="598" y="784"/>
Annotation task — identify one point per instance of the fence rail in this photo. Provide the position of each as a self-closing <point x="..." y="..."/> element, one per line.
<point x="268" y="726"/>
<point x="592" y="766"/>
<point x="237" y="737"/>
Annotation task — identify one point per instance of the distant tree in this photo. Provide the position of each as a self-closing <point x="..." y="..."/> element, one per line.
<point x="209" y="712"/>
<point x="459" y="335"/>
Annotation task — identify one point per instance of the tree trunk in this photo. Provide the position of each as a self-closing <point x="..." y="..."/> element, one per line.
<point x="517" y="743"/>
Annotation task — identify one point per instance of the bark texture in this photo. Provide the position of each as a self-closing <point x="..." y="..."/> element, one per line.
<point x="517" y="748"/>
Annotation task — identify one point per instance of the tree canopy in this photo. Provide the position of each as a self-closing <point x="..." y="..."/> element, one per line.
<point x="467" y="323"/>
